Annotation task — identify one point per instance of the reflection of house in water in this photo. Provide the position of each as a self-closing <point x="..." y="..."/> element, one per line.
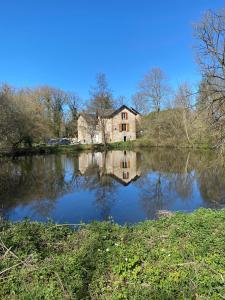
<point x="123" y="166"/>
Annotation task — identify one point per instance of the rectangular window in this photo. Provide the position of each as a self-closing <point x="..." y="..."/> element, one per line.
<point x="124" y="115"/>
<point x="124" y="164"/>
<point x="124" y="127"/>
<point x="125" y="175"/>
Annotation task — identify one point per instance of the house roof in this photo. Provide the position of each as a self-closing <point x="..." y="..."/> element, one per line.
<point x="132" y="110"/>
<point x="90" y="118"/>
<point x="121" y="181"/>
<point x="108" y="113"/>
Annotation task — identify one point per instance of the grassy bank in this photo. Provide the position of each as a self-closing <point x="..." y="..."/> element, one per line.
<point x="177" y="257"/>
<point x="129" y="145"/>
<point x="148" y="143"/>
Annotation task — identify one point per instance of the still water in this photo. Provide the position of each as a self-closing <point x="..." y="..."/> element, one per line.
<point x="125" y="185"/>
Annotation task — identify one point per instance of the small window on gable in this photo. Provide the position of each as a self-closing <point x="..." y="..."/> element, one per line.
<point x="123" y="116"/>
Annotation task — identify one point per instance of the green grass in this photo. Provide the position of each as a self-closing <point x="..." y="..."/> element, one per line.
<point x="129" y="145"/>
<point x="144" y="142"/>
<point x="177" y="257"/>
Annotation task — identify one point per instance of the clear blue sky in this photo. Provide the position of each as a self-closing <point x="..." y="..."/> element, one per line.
<point x="64" y="43"/>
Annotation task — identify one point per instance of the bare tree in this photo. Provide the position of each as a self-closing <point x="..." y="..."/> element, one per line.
<point x="139" y="103"/>
<point x="54" y="101"/>
<point x="91" y="125"/>
<point x="101" y="103"/>
<point x="183" y="102"/>
<point x="210" y="35"/>
<point x="74" y="103"/>
<point x="22" y="118"/>
<point x="154" y="89"/>
<point x="118" y="102"/>
<point x="101" y="95"/>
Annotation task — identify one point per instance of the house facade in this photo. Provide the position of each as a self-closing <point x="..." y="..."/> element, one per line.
<point x="119" y="125"/>
<point x="123" y="166"/>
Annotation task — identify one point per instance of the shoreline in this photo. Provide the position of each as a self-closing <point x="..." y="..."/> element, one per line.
<point x="57" y="149"/>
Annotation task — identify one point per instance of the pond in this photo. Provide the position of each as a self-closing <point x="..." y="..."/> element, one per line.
<point x="126" y="186"/>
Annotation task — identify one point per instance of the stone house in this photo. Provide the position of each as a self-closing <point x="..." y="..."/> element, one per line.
<point x="119" y="125"/>
<point x="123" y="166"/>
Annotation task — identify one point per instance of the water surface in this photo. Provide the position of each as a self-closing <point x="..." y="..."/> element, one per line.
<point x="125" y="185"/>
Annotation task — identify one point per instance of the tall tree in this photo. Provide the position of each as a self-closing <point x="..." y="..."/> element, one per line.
<point x="153" y="90"/>
<point x="22" y="117"/>
<point x="74" y="103"/>
<point x="101" y="103"/>
<point x="183" y="102"/>
<point x="54" y="101"/>
<point x="210" y="36"/>
<point x="101" y="95"/>
<point x="139" y="103"/>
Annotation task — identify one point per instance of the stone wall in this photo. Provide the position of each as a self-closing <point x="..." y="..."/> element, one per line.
<point x="130" y="134"/>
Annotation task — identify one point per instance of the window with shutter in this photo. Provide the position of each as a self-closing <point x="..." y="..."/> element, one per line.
<point x="126" y="116"/>
<point x="127" y="127"/>
<point x="124" y="127"/>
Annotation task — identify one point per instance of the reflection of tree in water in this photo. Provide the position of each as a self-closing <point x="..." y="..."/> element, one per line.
<point x="38" y="180"/>
<point x="182" y="182"/>
<point x="183" y="185"/>
<point x="166" y="178"/>
<point x="43" y="207"/>
<point x="153" y="193"/>
<point x="105" y="195"/>
<point x="103" y="186"/>
<point x="211" y="183"/>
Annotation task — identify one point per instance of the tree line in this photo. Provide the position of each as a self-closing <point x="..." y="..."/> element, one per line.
<point x="187" y="115"/>
<point x="34" y="115"/>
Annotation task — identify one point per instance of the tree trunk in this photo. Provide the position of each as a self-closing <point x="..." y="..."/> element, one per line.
<point x="185" y="126"/>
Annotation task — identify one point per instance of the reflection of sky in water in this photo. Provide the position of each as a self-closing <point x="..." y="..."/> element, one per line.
<point x="99" y="191"/>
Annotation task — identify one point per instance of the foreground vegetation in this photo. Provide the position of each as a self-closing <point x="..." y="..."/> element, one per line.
<point x="180" y="256"/>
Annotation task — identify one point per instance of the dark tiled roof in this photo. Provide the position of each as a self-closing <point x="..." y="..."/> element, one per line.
<point x="132" y="110"/>
<point x="90" y="118"/>
<point x="108" y="113"/>
<point x="123" y="182"/>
